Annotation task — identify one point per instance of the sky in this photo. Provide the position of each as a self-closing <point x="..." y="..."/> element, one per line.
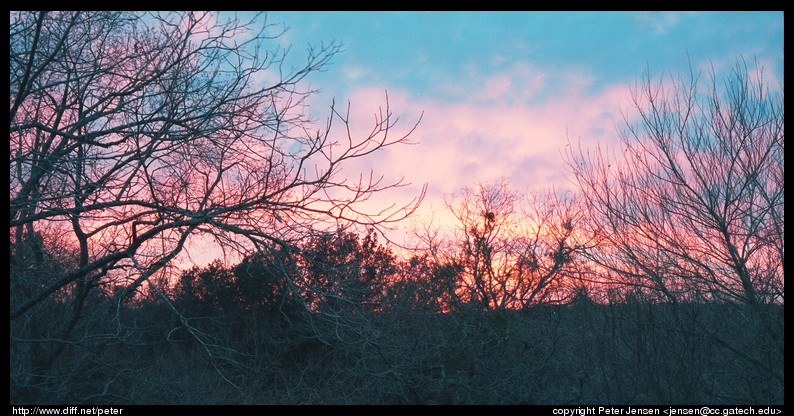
<point x="502" y="93"/>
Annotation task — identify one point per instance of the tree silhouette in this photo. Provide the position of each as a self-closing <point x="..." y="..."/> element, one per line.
<point x="509" y="251"/>
<point x="690" y="207"/>
<point x="132" y="134"/>
<point x="342" y="273"/>
<point x="692" y="204"/>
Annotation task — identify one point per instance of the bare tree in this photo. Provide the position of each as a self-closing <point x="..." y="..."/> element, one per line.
<point x="693" y="202"/>
<point x="132" y="133"/>
<point x="511" y="251"/>
<point x="690" y="207"/>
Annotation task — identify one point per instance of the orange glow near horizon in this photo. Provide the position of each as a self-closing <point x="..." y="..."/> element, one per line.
<point x="502" y="131"/>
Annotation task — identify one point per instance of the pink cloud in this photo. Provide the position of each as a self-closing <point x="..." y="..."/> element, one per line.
<point x="516" y="130"/>
<point x="496" y="87"/>
<point x="506" y="130"/>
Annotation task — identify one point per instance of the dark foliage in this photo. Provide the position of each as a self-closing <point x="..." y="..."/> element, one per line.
<point x="253" y="339"/>
<point x="131" y="134"/>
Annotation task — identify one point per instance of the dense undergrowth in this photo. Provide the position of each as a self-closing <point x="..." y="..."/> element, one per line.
<point x="619" y="353"/>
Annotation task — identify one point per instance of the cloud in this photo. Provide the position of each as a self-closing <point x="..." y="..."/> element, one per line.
<point x="515" y="125"/>
<point x="354" y="72"/>
<point x="660" y="21"/>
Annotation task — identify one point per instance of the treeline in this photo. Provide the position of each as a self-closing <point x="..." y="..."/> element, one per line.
<point x="660" y="279"/>
<point x="345" y="321"/>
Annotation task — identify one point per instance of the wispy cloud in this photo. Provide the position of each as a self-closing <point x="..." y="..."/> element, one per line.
<point x="504" y="130"/>
<point x="660" y="21"/>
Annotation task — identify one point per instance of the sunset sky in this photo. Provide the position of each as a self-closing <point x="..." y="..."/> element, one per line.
<point x="503" y="92"/>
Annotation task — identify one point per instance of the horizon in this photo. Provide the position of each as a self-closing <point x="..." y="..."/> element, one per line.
<point x="500" y="94"/>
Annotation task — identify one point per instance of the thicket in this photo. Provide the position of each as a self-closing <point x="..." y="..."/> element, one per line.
<point x="247" y="335"/>
<point x="135" y="134"/>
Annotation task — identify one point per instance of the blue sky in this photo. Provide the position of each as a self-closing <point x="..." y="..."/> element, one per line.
<point x="423" y="51"/>
<point x="503" y="92"/>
